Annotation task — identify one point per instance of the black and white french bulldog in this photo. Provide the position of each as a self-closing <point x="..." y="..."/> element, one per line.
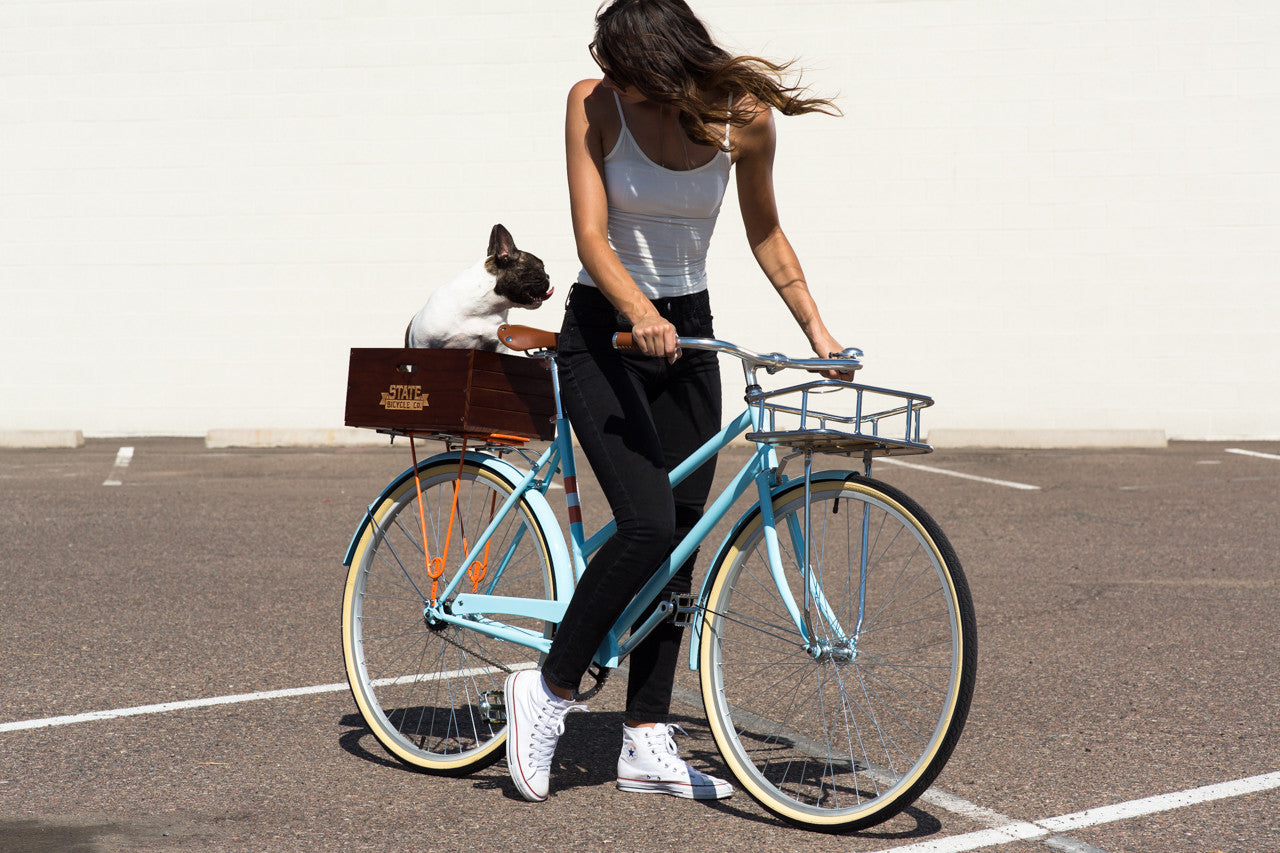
<point x="466" y="312"/>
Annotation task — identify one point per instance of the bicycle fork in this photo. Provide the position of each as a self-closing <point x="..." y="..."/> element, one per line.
<point x="832" y="643"/>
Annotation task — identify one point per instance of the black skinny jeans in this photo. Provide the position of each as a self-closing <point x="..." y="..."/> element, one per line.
<point x="636" y="418"/>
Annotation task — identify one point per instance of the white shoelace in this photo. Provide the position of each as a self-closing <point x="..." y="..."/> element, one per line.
<point x="547" y="729"/>
<point x="673" y="752"/>
<point x="671" y="741"/>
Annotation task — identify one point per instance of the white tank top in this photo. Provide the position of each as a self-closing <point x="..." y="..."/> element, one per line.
<point x="661" y="220"/>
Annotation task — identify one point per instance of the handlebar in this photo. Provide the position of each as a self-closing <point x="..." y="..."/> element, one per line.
<point x="846" y="361"/>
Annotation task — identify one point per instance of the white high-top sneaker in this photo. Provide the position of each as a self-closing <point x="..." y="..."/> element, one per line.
<point x="651" y="764"/>
<point x="535" y="721"/>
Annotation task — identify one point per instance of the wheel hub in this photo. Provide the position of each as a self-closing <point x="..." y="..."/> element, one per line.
<point x="432" y="621"/>
<point x="824" y="651"/>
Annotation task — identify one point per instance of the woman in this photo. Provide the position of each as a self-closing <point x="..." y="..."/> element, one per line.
<point x="649" y="149"/>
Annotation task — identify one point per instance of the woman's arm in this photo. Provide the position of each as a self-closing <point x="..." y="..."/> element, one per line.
<point x="757" y="143"/>
<point x="589" y="207"/>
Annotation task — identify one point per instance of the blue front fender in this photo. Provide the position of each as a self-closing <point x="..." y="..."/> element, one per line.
<point x="747" y="517"/>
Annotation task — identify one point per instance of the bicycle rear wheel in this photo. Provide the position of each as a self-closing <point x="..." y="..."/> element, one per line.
<point x="419" y="683"/>
<point x="844" y="731"/>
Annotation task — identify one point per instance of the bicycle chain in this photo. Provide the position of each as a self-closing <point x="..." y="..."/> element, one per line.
<point x="442" y="635"/>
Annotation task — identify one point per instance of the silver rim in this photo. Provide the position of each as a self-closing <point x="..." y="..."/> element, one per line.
<point x="425" y="683"/>
<point x="839" y="730"/>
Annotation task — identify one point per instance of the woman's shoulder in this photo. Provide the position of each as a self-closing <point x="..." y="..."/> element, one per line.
<point x="587" y="91"/>
<point x="754" y="128"/>
<point x="583" y="88"/>
<point x="751" y="107"/>
<point x="591" y="99"/>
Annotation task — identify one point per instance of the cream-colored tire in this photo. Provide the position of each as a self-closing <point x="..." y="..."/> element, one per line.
<point x="844" y="730"/>
<point x="419" y="684"/>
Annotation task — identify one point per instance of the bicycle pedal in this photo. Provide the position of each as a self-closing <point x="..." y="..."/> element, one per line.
<point x="493" y="706"/>
<point x="686" y="608"/>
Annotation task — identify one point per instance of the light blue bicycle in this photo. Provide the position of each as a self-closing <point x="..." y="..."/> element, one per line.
<point x="834" y="633"/>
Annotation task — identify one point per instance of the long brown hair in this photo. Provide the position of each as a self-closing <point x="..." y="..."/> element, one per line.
<point x="663" y="50"/>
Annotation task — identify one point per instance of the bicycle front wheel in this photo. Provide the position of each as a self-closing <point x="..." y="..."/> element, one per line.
<point x="419" y="683"/>
<point x="846" y="728"/>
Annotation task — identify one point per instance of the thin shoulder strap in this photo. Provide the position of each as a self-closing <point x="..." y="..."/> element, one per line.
<point x="618" y="102"/>
<point x="728" y="124"/>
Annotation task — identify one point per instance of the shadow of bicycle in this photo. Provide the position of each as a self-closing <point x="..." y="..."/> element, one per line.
<point x="586" y="758"/>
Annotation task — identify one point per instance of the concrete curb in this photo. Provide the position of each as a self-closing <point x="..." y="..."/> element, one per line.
<point x="218" y="439"/>
<point x="41" y="438"/>
<point x="1048" y="439"/>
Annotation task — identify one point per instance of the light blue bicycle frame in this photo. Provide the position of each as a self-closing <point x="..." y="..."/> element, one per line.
<point x="472" y="610"/>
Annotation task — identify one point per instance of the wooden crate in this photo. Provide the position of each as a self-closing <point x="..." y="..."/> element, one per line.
<point x="460" y="392"/>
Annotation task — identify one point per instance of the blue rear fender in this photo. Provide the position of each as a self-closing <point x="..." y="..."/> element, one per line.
<point x="505" y="471"/>
<point x="747" y="518"/>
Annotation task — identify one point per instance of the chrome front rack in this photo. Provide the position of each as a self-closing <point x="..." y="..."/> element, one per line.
<point x="884" y="422"/>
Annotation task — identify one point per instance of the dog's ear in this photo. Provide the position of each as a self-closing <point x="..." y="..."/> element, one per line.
<point x="502" y="248"/>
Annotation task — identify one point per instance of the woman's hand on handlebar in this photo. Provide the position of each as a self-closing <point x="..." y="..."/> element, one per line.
<point x="828" y="347"/>
<point x="653" y="335"/>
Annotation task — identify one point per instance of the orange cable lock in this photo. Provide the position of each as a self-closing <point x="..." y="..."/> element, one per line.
<point x="479" y="568"/>
<point x="435" y="568"/>
<point x="438" y="562"/>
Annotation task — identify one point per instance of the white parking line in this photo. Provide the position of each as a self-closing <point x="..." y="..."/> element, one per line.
<point x="115" y="713"/>
<point x="123" y="458"/>
<point x="163" y="707"/>
<point x="1006" y="483"/>
<point x="996" y="821"/>
<point x="1007" y="829"/>
<point x="1043" y="829"/>
<point x="1252" y="453"/>
<point x="959" y="805"/>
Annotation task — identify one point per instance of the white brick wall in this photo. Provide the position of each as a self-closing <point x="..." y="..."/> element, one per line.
<point x="1050" y="215"/>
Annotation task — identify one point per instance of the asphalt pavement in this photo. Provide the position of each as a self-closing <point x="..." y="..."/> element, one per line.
<point x="173" y="675"/>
